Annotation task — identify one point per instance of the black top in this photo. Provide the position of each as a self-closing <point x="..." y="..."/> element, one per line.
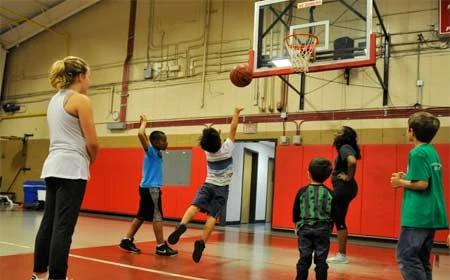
<point x="340" y="164"/>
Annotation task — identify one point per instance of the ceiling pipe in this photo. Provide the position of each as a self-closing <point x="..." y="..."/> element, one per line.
<point x="387" y="113"/>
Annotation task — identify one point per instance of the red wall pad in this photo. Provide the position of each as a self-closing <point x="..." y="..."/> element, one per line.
<point x="376" y="210"/>
<point x="288" y="163"/>
<point x="377" y="195"/>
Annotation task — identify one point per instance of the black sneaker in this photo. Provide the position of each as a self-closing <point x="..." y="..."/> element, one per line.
<point x="175" y="236"/>
<point x="199" y="246"/>
<point x="128" y="245"/>
<point x="165" y="250"/>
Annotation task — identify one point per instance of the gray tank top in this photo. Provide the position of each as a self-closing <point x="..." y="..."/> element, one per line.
<point x="68" y="157"/>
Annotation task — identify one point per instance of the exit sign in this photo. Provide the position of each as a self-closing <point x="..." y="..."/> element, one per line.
<point x="444" y="17"/>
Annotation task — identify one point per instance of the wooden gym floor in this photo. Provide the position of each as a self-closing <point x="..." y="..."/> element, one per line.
<point x="233" y="252"/>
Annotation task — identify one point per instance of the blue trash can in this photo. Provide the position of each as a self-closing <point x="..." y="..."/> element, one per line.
<point x="30" y="192"/>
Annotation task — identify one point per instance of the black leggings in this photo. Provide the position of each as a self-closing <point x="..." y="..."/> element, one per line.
<point x="62" y="205"/>
<point x="344" y="193"/>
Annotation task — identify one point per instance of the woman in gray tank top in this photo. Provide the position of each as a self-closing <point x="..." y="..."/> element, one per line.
<point x="73" y="147"/>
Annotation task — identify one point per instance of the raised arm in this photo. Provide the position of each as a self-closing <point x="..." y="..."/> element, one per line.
<point x="234" y="123"/>
<point x="141" y="133"/>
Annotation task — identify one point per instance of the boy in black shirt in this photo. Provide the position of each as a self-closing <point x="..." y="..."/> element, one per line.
<point x="312" y="215"/>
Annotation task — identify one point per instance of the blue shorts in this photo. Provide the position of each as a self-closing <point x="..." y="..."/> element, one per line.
<point x="211" y="199"/>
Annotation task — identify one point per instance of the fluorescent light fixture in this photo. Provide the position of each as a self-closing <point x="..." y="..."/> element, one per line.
<point x="281" y="62"/>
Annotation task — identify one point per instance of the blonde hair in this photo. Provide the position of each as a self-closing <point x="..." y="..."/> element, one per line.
<point x="64" y="71"/>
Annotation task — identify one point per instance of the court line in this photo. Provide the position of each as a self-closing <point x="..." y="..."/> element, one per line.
<point x="116" y="264"/>
<point x="14" y="244"/>
<point x="137" y="267"/>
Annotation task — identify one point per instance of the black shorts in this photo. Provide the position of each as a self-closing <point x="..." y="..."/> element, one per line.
<point x="149" y="198"/>
<point x="211" y="199"/>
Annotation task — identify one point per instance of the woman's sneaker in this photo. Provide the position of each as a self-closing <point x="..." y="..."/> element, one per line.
<point x="175" y="235"/>
<point x="338" y="259"/>
<point x="128" y="245"/>
<point x="165" y="250"/>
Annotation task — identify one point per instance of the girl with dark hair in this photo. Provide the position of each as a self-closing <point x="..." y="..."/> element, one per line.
<point x="344" y="184"/>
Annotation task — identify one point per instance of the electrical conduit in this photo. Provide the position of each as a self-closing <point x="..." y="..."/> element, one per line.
<point x="126" y="66"/>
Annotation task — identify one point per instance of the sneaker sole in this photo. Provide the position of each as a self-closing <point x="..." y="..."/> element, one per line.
<point x="337" y="262"/>
<point x="198" y="251"/>
<point x="133" y="252"/>
<point x="161" y="255"/>
<point x="174" y="237"/>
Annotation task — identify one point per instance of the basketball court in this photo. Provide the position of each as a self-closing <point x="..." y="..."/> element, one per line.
<point x="292" y="40"/>
<point x="233" y="252"/>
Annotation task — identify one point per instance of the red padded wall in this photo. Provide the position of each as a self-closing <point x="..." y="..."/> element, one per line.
<point x="376" y="209"/>
<point x="116" y="174"/>
<point x="288" y="162"/>
<point x="310" y="152"/>
<point x="114" y="183"/>
<point x="378" y="195"/>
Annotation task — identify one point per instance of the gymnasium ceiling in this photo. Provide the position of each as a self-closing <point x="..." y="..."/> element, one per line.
<point x="23" y="19"/>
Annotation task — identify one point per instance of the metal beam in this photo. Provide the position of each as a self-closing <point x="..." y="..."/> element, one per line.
<point x="289" y="6"/>
<point x="42" y="22"/>
<point x="379" y="18"/>
<point x="301" y="105"/>
<point x="353" y="10"/>
<point x="289" y="84"/>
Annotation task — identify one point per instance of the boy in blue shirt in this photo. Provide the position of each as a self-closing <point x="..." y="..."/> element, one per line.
<point x="150" y="192"/>
<point x="423" y="207"/>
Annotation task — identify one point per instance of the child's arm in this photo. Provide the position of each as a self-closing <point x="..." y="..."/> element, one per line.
<point x="234" y="123"/>
<point x="296" y="212"/>
<point x="141" y="133"/>
<point x="398" y="180"/>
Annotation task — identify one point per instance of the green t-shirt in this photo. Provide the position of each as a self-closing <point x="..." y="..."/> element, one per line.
<point x="424" y="208"/>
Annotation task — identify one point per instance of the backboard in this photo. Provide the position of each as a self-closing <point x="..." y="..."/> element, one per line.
<point x="343" y="29"/>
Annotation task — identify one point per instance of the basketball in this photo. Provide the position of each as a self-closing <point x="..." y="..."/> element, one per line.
<point x="241" y="75"/>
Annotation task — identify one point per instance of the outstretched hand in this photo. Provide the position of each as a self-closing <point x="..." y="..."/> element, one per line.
<point x="142" y="118"/>
<point x="238" y="110"/>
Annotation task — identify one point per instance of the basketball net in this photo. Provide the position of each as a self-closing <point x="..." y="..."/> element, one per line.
<point x="301" y="48"/>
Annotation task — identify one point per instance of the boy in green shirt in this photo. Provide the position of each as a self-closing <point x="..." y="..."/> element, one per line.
<point x="423" y="208"/>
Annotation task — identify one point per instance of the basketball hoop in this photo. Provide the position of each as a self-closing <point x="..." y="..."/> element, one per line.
<point x="301" y="48"/>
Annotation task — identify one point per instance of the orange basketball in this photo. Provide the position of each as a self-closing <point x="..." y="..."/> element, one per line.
<point x="241" y="75"/>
